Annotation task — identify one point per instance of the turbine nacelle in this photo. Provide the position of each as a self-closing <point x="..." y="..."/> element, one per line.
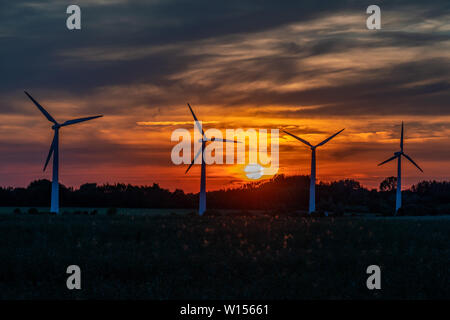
<point x="213" y="139"/>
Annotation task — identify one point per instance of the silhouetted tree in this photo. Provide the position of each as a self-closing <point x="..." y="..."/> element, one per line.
<point x="280" y="193"/>
<point x="388" y="184"/>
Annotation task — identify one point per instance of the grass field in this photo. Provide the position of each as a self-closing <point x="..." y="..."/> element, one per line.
<point x="101" y="211"/>
<point x="159" y="256"/>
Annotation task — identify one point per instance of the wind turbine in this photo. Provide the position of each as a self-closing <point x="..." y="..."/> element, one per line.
<point x="398" y="155"/>
<point x="54" y="150"/>
<point x="312" y="185"/>
<point x="204" y="140"/>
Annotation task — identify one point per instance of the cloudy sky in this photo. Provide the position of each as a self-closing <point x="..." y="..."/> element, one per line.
<point x="310" y="67"/>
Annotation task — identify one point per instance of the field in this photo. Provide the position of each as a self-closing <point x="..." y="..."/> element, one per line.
<point x="102" y="211"/>
<point x="177" y="256"/>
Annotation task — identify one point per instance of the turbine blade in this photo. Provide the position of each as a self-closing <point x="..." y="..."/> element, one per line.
<point x="41" y="108"/>
<point x="328" y="139"/>
<point x="401" y="139"/>
<point x="197" y="123"/>
<point x="298" y="138"/>
<point x="52" y="148"/>
<point x="193" y="161"/>
<point x="69" y="122"/>
<point x="390" y="159"/>
<point x="223" y="140"/>
<point x="412" y="161"/>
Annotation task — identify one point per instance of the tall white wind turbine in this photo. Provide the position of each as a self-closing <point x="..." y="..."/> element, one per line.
<point x="312" y="185"/>
<point x="398" y="155"/>
<point x="54" y="150"/>
<point x="204" y="140"/>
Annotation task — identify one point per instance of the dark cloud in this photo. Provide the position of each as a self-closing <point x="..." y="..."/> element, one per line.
<point x="30" y="55"/>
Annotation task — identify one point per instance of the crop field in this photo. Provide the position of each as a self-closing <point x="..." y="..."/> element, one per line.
<point x="182" y="256"/>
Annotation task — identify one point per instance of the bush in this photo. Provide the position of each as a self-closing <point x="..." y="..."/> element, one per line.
<point x="281" y="211"/>
<point x="17" y="211"/>
<point x="111" y="212"/>
<point x="211" y="213"/>
<point x="416" y="210"/>
<point x="339" y="211"/>
<point x="93" y="213"/>
<point x="241" y="213"/>
<point x="317" y="214"/>
<point x="33" y="211"/>
<point x="444" y="208"/>
<point x="302" y="213"/>
<point x="386" y="208"/>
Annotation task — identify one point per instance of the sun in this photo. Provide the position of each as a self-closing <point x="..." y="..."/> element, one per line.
<point x="254" y="171"/>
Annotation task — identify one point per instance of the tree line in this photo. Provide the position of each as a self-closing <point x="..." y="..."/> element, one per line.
<point x="281" y="193"/>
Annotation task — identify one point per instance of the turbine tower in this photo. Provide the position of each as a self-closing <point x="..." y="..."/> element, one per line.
<point x="54" y="150"/>
<point x="398" y="155"/>
<point x="312" y="185"/>
<point x="204" y="140"/>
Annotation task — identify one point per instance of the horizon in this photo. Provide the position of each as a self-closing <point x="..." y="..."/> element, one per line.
<point x="256" y="182"/>
<point x="311" y="69"/>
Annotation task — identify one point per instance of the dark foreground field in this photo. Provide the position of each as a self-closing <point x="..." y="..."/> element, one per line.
<point x="183" y="257"/>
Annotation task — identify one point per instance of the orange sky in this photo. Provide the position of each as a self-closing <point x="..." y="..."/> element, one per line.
<point x="142" y="150"/>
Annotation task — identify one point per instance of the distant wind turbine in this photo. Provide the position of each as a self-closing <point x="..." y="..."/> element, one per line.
<point x="312" y="186"/>
<point x="54" y="150"/>
<point x="204" y="140"/>
<point x="398" y="155"/>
